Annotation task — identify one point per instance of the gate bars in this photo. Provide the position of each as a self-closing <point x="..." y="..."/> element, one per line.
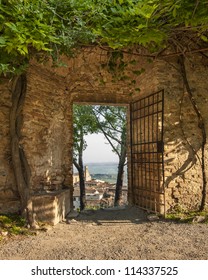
<point x="147" y="165"/>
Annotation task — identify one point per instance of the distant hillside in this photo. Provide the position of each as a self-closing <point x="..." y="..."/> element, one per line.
<point x="110" y="178"/>
<point x="106" y="171"/>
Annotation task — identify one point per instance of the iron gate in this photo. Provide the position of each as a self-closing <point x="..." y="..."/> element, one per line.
<point x="147" y="167"/>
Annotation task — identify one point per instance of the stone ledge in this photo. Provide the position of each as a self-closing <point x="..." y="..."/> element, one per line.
<point x="51" y="207"/>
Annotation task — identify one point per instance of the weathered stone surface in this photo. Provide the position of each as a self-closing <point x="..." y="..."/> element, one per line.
<point x="8" y="192"/>
<point x="4" y="233"/>
<point x="183" y="174"/>
<point x="47" y="131"/>
<point x="152" y="218"/>
<point x="9" y="205"/>
<point x="51" y="207"/>
<point x="199" y="219"/>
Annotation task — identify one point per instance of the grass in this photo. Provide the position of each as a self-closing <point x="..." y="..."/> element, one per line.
<point x="188" y="217"/>
<point x="12" y="224"/>
<point x="91" y="207"/>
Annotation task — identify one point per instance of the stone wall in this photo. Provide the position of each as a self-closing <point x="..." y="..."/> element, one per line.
<point x="47" y="131"/>
<point x="182" y="136"/>
<point x="9" y="198"/>
<point x="89" y="81"/>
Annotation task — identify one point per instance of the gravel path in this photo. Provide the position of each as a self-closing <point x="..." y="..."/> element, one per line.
<point x="112" y="235"/>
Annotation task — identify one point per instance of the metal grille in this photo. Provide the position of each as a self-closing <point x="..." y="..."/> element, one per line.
<point x="147" y="167"/>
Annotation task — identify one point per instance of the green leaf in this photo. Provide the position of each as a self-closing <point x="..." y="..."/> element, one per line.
<point x="204" y="38"/>
<point x="174" y="12"/>
<point x="12" y="26"/>
<point x="133" y="62"/>
<point x="2" y="41"/>
<point x="138" y="72"/>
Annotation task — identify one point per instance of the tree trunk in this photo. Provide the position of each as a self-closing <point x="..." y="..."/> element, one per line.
<point x="121" y="164"/>
<point x="80" y="167"/>
<point x="82" y="190"/>
<point x="119" y="184"/>
<point x="81" y="183"/>
<point x="19" y="161"/>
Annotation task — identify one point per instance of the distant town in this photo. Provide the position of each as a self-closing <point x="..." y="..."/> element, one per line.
<point x="99" y="193"/>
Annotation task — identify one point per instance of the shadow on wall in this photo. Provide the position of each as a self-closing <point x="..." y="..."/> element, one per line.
<point x="183" y="170"/>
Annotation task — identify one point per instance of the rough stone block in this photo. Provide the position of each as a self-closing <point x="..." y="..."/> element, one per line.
<point x="52" y="207"/>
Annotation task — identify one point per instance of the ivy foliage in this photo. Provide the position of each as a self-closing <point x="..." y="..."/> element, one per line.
<point x="150" y="23"/>
<point x="12" y="224"/>
<point x="49" y="28"/>
<point x="46" y="27"/>
<point x="111" y="122"/>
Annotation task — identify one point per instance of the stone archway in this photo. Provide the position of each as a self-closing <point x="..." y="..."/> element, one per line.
<point x="46" y="134"/>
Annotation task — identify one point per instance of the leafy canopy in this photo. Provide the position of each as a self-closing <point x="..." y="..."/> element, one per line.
<point x="46" y="27"/>
<point x="150" y="23"/>
<point x="108" y="120"/>
<point x="111" y="122"/>
<point x="49" y="28"/>
<point x="84" y="123"/>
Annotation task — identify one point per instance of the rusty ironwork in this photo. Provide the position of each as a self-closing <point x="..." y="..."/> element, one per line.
<point x="147" y="165"/>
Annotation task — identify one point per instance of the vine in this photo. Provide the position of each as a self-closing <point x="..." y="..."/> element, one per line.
<point x="201" y="125"/>
<point x="19" y="161"/>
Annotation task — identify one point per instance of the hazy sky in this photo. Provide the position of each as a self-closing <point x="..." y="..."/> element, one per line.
<point x="97" y="150"/>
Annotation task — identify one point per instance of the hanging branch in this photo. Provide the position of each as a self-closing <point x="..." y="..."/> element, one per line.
<point x="201" y="125"/>
<point x="106" y="135"/>
<point x="194" y="152"/>
<point x="110" y="123"/>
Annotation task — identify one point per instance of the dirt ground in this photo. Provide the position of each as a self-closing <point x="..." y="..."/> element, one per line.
<point x="112" y="235"/>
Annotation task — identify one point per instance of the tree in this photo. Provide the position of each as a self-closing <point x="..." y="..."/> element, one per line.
<point x="111" y="121"/>
<point x="84" y="124"/>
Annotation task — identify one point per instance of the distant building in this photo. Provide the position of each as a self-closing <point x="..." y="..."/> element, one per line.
<point x="75" y="178"/>
<point x="93" y="197"/>
<point x="86" y="175"/>
<point x="94" y="183"/>
<point x="76" y="198"/>
<point x="98" y="192"/>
